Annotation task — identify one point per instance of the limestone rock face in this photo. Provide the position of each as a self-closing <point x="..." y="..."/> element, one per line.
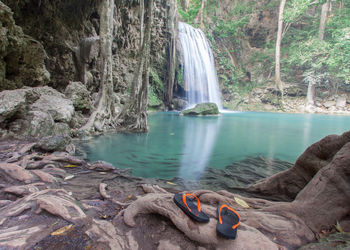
<point x="206" y="108"/>
<point x="21" y="56"/>
<point x="80" y="96"/>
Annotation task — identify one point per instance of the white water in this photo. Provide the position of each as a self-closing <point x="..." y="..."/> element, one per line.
<point x="200" y="80"/>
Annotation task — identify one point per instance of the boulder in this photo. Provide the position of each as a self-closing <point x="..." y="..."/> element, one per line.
<point x="53" y="143"/>
<point x="329" y="104"/>
<point x="36" y="124"/>
<point x="60" y="108"/>
<point x="80" y="96"/>
<point x="179" y="104"/>
<point x="341" y="101"/>
<point x="206" y="108"/>
<point x="10" y="103"/>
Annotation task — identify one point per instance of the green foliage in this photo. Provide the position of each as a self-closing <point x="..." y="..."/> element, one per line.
<point x="322" y="61"/>
<point x="156" y="79"/>
<point x="153" y="99"/>
<point x="189" y="15"/>
<point x="295" y="9"/>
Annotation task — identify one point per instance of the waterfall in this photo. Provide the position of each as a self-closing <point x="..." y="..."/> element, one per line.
<point x="200" y="80"/>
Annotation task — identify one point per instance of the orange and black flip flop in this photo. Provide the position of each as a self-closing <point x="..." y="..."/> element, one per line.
<point x="228" y="222"/>
<point x="190" y="208"/>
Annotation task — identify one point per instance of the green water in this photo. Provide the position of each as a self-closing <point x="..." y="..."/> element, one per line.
<point x="179" y="146"/>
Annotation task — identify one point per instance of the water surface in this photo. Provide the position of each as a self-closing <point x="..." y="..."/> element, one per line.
<point x="181" y="146"/>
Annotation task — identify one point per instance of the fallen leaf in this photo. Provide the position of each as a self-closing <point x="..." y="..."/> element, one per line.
<point x="69" y="177"/>
<point x="338" y="227"/>
<point x="171" y="183"/>
<point x="242" y="202"/>
<point x="61" y="230"/>
<point x="70" y="166"/>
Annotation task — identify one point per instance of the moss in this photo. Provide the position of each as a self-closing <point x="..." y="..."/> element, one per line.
<point x="202" y="109"/>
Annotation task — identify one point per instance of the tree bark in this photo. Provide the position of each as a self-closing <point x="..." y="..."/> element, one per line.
<point x="172" y="21"/>
<point x="134" y="114"/>
<point x="201" y="14"/>
<point x="279" y="83"/>
<point x="104" y="112"/>
<point x="324" y="13"/>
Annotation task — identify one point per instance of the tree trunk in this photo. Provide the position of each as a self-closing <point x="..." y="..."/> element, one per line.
<point x="134" y="114"/>
<point x="172" y="21"/>
<point x="201" y="14"/>
<point x="104" y="112"/>
<point x="324" y="13"/>
<point x="279" y="83"/>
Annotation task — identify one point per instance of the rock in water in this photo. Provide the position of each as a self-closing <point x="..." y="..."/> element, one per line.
<point x="206" y="108"/>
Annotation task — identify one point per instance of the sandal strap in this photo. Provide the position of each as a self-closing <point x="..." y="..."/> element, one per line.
<point x="184" y="201"/>
<point x="225" y="206"/>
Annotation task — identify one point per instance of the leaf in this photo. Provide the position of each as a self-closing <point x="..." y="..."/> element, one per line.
<point x="242" y="202"/>
<point x="61" y="230"/>
<point x="69" y="177"/>
<point x="70" y="166"/>
<point x="338" y="227"/>
<point x="171" y="183"/>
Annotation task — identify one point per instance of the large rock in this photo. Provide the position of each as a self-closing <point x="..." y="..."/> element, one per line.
<point x="54" y="143"/>
<point x="33" y="111"/>
<point x="80" y="96"/>
<point x="10" y="103"/>
<point x="60" y="108"/>
<point x="179" y="104"/>
<point x="206" y="108"/>
<point x="35" y="124"/>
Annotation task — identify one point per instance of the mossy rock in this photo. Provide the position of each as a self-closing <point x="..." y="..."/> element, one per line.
<point x="206" y="108"/>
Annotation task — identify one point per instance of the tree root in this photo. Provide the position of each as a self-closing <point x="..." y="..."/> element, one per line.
<point x="281" y="227"/>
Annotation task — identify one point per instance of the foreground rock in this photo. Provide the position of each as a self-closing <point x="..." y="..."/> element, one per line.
<point x="34" y="112"/>
<point x="202" y="109"/>
<point x="55" y="200"/>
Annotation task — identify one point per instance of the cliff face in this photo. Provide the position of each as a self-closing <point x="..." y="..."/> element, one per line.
<point x="39" y="40"/>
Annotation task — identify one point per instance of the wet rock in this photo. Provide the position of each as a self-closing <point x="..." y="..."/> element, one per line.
<point x="80" y="96"/>
<point x="179" y="104"/>
<point x="53" y="143"/>
<point x="202" y="109"/>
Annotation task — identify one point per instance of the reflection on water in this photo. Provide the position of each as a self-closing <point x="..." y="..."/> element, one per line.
<point x="180" y="146"/>
<point x="199" y="140"/>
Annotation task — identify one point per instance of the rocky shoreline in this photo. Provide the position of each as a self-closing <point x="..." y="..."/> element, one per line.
<point x="56" y="200"/>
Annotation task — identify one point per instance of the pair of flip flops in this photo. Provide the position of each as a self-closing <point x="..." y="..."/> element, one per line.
<point x="228" y="217"/>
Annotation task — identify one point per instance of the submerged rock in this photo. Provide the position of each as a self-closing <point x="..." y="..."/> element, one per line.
<point x="206" y="108"/>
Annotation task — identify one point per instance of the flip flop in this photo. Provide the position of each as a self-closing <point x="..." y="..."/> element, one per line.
<point x="190" y="208"/>
<point x="228" y="222"/>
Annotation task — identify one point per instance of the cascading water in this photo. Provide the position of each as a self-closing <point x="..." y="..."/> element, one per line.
<point x="200" y="80"/>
